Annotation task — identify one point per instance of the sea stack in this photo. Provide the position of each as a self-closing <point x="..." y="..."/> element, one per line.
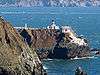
<point x="16" y="58"/>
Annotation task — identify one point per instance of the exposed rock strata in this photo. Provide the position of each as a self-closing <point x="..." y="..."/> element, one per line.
<point x="16" y="58"/>
<point x="54" y="44"/>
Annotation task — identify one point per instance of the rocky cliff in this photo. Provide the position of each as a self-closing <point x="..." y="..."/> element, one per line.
<point x="53" y="43"/>
<point x="43" y="40"/>
<point x="50" y="3"/>
<point x="16" y="58"/>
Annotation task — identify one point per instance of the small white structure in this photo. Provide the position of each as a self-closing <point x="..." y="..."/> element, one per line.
<point x="26" y="27"/>
<point x="53" y="26"/>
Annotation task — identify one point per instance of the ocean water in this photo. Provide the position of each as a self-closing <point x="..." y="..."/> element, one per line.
<point x="68" y="67"/>
<point x="84" y="21"/>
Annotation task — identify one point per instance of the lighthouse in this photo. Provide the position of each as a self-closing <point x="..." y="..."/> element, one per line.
<point x="53" y="25"/>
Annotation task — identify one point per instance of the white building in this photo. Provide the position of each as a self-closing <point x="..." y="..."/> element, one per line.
<point x="53" y="26"/>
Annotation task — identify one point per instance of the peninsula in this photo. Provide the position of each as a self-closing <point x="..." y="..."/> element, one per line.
<point x="55" y="42"/>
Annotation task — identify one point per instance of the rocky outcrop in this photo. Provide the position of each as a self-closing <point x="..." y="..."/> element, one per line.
<point x="53" y="43"/>
<point x="16" y="58"/>
<point x="98" y="53"/>
<point x="79" y="71"/>
<point x="43" y="40"/>
<point x="95" y="51"/>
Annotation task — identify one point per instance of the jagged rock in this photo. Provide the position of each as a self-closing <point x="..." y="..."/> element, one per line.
<point x="53" y="43"/>
<point x="96" y="51"/>
<point x="16" y="58"/>
<point x="79" y="71"/>
<point x="42" y="40"/>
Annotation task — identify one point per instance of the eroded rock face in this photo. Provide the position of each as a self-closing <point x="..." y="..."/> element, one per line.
<point x="54" y="44"/>
<point x="16" y="58"/>
<point x="43" y="40"/>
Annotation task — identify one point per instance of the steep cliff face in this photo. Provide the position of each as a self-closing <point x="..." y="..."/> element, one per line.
<point x="16" y="58"/>
<point x="55" y="44"/>
<point x="41" y="38"/>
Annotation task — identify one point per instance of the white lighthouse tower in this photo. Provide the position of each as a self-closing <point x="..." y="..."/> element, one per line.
<point x="53" y="25"/>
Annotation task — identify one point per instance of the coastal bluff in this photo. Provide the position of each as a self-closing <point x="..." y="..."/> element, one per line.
<point x="16" y="58"/>
<point x="52" y="43"/>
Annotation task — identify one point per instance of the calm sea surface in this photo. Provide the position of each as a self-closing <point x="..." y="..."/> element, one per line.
<point x="84" y="21"/>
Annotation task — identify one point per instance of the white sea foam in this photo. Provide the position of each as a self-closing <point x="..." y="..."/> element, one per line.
<point x="44" y="67"/>
<point x="76" y="58"/>
<point x="80" y="17"/>
<point x="49" y="59"/>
